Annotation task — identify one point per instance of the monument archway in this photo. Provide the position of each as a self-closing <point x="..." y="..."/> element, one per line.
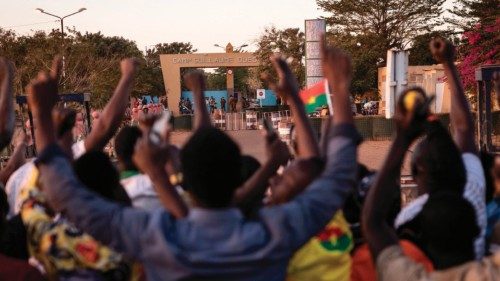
<point x="171" y="69"/>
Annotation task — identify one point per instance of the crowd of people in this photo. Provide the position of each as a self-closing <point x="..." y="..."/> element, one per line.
<point x="205" y="211"/>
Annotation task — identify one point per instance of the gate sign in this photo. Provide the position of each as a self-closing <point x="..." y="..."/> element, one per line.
<point x="261" y="94"/>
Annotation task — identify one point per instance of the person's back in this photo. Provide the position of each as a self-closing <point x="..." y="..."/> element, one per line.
<point x="215" y="241"/>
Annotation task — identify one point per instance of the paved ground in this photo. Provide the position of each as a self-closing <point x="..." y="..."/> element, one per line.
<point x="371" y="153"/>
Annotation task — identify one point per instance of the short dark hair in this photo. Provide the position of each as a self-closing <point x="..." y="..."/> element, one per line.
<point x="211" y="164"/>
<point x="448" y="223"/>
<point x="249" y="165"/>
<point x="95" y="170"/>
<point x="440" y="159"/>
<point x="125" y="142"/>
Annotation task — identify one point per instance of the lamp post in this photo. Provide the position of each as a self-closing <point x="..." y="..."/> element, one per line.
<point x="230" y="71"/>
<point x="61" y="19"/>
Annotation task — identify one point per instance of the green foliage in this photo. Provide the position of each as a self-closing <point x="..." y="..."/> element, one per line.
<point x="153" y="62"/>
<point x="465" y="14"/>
<point x="92" y="61"/>
<point x="367" y="29"/>
<point x="391" y="22"/>
<point x="419" y="50"/>
<point x="289" y="42"/>
<point x="217" y="79"/>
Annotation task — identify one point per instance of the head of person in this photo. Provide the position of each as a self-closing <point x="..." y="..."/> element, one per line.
<point x="448" y="229"/>
<point x="436" y="162"/>
<point x="125" y="142"/>
<point x="355" y="201"/>
<point x="295" y="178"/>
<point x="95" y="170"/>
<point x="211" y="165"/>
<point x="249" y="165"/>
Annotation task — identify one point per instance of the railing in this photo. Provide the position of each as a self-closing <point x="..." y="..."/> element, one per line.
<point x="249" y="120"/>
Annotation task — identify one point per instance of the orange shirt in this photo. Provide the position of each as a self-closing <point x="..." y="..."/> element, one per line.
<point x="363" y="268"/>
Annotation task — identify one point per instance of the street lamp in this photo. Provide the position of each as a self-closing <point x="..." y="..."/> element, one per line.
<point x="61" y="19"/>
<point x="238" y="49"/>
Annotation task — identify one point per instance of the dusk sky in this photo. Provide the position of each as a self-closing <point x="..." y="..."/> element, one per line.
<point x="201" y="22"/>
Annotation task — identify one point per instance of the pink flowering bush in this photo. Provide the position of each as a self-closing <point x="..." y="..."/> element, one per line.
<point x="480" y="47"/>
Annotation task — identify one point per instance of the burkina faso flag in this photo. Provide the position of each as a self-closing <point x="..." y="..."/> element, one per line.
<point x="315" y="96"/>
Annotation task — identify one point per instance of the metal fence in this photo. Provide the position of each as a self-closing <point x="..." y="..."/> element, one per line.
<point x="249" y="120"/>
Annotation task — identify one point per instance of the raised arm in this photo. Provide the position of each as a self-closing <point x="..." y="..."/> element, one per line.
<point x="116" y="226"/>
<point x="460" y="115"/>
<point x="337" y="69"/>
<point x="377" y="231"/>
<point x="288" y="88"/>
<point x="195" y="81"/>
<point x="6" y="102"/>
<point x="255" y="187"/>
<point x="112" y="114"/>
<point x="17" y="159"/>
<point x="151" y="158"/>
<point x="310" y="211"/>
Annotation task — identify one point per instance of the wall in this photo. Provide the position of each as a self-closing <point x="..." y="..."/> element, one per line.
<point x="428" y="77"/>
<point x="270" y="99"/>
<point x="215" y="94"/>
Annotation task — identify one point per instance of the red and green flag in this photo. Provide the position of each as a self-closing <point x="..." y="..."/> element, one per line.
<point x="315" y="96"/>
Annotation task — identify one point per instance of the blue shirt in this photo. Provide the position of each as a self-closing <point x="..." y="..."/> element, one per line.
<point x="214" y="244"/>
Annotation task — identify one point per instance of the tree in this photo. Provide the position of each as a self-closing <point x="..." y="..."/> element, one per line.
<point x="391" y="22"/>
<point x="153" y="62"/>
<point x="289" y="42"/>
<point x="419" y="50"/>
<point x="465" y="14"/>
<point x="480" y="47"/>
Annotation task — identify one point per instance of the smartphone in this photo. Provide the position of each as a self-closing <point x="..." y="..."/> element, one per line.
<point x="160" y="126"/>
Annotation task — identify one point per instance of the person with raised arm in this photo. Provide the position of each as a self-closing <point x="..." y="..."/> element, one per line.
<point x="326" y="256"/>
<point x="448" y="221"/>
<point x="462" y="128"/>
<point x="111" y="116"/>
<point x="64" y="119"/>
<point x="17" y="159"/>
<point x="215" y="240"/>
<point x="195" y="81"/>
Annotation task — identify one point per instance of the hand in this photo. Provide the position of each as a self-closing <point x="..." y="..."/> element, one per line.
<point x="42" y="91"/>
<point x="277" y="150"/>
<point x="20" y="138"/>
<point x="64" y="120"/>
<point x="287" y="85"/>
<point x="410" y="121"/>
<point x="150" y="158"/>
<point x="129" y="66"/>
<point x="442" y="50"/>
<point x="337" y="66"/>
<point x="195" y="81"/>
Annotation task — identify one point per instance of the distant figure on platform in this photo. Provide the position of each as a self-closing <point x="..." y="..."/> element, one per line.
<point x="223" y="104"/>
<point x="232" y="103"/>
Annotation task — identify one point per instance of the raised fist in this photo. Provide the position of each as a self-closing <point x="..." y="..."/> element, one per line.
<point x="129" y="66"/>
<point x="442" y="50"/>
<point x="195" y="81"/>
<point x="337" y="66"/>
<point x="42" y="91"/>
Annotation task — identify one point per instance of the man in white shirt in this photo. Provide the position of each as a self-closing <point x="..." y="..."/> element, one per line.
<point x="138" y="186"/>
<point x="464" y="139"/>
